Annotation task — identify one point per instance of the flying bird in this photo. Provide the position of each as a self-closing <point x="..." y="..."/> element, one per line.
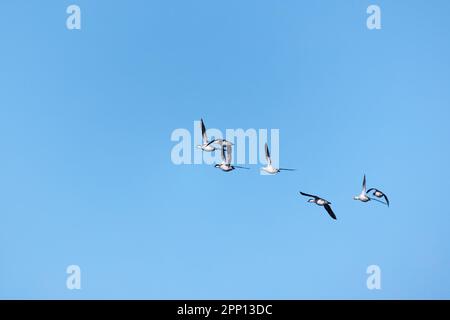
<point x="379" y="194"/>
<point x="320" y="202"/>
<point x="269" y="168"/>
<point x="206" y="145"/>
<point x="226" y="160"/>
<point x="363" y="195"/>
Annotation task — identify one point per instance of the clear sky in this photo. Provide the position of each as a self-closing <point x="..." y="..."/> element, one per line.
<point x="86" y="176"/>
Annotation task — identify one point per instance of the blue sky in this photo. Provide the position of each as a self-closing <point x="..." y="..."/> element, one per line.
<point x="86" y="176"/>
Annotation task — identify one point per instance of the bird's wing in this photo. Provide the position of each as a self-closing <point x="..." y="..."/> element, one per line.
<point x="205" y="137"/>
<point x="308" y="195"/>
<point x="226" y="142"/>
<point x="286" y="169"/>
<point x="229" y="152"/>
<point x="330" y="211"/>
<point x="364" y="185"/>
<point x="242" y="167"/>
<point x="269" y="161"/>
<point x="387" y="200"/>
<point x="220" y="142"/>
<point x="371" y="189"/>
<point x="222" y="154"/>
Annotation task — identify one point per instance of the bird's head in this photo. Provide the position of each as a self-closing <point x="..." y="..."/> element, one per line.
<point x="311" y="200"/>
<point x="355" y="198"/>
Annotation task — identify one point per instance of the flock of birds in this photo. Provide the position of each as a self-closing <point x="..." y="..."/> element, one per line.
<point x="225" y="148"/>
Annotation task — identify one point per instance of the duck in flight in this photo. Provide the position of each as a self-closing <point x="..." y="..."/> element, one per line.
<point x="320" y="202"/>
<point x="226" y="160"/>
<point x="206" y="145"/>
<point x="363" y="196"/>
<point x="269" y="168"/>
<point x="379" y="194"/>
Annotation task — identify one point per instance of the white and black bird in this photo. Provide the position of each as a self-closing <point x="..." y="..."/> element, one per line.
<point x="206" y="145"/>
<point x="379" y="194"/>
<point x="363" y="195"/>
<point x="320" y="202"/>
<point x="226" y="160"/>
<point x="270" y="168"/>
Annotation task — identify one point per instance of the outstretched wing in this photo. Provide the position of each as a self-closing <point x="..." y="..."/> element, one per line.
<point x="222" y="154"/>
<point x="204" y="136"/>
<point x="364" y="185"/>
<point x="220" y="142"/>
<point x="229" y="152"/>
<point x="269" y="161"/>
<point x="387" y="200"/>
<point x="226" y="142"/>
<point x="371" y="189"/>
<point x="330" y="211"/>
<point x="308" y="195"/>
<point x="286" y="169"/>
